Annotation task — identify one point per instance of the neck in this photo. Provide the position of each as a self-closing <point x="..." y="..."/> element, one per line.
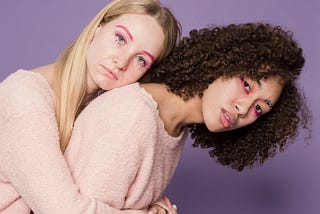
<point x="174" y="111"/>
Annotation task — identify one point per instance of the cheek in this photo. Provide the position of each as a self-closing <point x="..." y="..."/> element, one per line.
<point x="99" y="46"/>
<point x="91" y="52"/>
<point x="134" y="69"/>
<point x="211" y="117"/>
<point x="95" y="53"/>
<point x="133" y="76"/>
<point x="251" y="118"/>
<point x="89" y="58"/>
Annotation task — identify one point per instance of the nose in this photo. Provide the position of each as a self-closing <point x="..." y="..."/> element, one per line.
<point x="243" y="106"/>
<point x="121" y="62"/>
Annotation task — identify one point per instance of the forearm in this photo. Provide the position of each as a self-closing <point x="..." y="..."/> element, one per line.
<point x="32" y="162"/>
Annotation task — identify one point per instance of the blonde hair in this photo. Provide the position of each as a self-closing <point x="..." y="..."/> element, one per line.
<point x="71" y="69"/>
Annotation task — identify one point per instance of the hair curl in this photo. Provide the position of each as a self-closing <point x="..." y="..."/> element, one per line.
<point x="254" y="50"/>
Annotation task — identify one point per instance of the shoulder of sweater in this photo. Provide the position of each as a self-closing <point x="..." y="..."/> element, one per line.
<point x="124" y="100"/>
<point x="124" y="107"/>
<point x="26" y="91"/>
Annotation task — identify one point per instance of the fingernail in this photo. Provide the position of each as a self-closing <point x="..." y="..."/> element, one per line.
<point x="175" y="207"/>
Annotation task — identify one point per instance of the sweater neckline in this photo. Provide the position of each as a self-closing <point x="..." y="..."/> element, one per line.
<point x="40" y="78"/>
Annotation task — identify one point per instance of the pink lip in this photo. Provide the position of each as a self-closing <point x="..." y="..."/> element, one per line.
<point x="227" y="119"/>
<point x="109" y="73"/>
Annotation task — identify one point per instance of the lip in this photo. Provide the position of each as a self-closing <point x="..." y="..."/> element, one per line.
<point x="227" y="119"/>
<point x="109" y="73"/>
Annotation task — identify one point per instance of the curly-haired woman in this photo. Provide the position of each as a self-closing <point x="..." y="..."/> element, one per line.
<point x="233" y="87"/>
<point x="251" y="70"/>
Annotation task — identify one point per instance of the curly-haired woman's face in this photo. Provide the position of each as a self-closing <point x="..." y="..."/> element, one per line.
<point x="236" y="102"/>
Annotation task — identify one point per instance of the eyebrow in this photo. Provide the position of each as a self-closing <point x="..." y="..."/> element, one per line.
<point x="131" y="38"/>
<point x="268" y="102"/>
<point x="126" y="30"/>
<point x="259" y="84"/>
<point x="150" y="55"/>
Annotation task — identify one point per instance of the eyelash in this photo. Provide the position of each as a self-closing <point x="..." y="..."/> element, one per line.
<point x="245" y="85"/>
<point x="143" y="63"/>
<point x="120" y="40"/>
<point x="257" y="108"/>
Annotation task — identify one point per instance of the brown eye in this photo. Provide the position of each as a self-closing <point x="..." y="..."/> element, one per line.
<point x="258" y="109"/>
<point x="246" y="86"/>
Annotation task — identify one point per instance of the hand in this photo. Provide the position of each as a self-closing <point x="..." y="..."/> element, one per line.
<point x="156" y="209"/>
<point x="172" y="208"/>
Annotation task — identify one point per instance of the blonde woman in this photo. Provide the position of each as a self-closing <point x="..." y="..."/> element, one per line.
<point x="39" y="107"/>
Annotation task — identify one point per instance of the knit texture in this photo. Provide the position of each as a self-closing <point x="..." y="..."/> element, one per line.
<point x="125" y="156"/>
<point x="127" y="170"/>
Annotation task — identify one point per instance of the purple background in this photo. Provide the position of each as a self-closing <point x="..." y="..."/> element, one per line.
<point x="34" y="32"/>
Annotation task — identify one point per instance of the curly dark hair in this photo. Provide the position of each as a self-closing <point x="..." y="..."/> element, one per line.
<point x="254" y="50"/>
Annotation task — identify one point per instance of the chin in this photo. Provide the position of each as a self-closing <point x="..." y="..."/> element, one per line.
<point x="222" y="129"/>
<point x="219" y="130"/>
<point x="216" y="129"/>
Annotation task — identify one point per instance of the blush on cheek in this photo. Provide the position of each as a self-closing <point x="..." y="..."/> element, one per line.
<point x="256" y="111"/>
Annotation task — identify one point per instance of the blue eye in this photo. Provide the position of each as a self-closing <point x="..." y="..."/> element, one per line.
<point x="141" y="61"/>
<point x="120" y="39"/>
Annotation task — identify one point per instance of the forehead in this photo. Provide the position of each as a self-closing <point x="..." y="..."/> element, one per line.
<point x="271" y="87"/>
<point x="145" y="29"/>
<point x="271" y="82"/>
<point x="135" y="19"/>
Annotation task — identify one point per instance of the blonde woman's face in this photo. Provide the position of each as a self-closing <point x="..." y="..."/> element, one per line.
<point x="236" y="102"/>
<point x="122" y="50"/>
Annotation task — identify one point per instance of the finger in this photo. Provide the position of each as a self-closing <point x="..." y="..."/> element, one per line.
<point x="174" y="207"/>
<point x="153" y="210"/>
<point x="162" y="211"/>
<point x="174" y="210"/>
<point x="167" y="201"/>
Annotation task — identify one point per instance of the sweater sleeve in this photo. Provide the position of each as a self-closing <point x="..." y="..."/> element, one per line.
<point x="32" y="162"/>
<point x="39" y="173"/>
<point x="112" y="160"/>
<point x="108" y="149"/>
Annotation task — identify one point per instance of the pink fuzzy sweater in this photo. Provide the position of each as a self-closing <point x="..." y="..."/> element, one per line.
<point x="119" y="156"/>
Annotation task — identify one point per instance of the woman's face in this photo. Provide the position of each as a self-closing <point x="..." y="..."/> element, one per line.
<point x="122" y="50"/>
<point x="236" y="102"/>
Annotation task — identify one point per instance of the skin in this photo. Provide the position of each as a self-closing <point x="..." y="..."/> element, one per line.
<point x="233" y="103"/>
<point x="122" y="51"/>
<point x="225" y="105"/>
<point x="159" y="210"/>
